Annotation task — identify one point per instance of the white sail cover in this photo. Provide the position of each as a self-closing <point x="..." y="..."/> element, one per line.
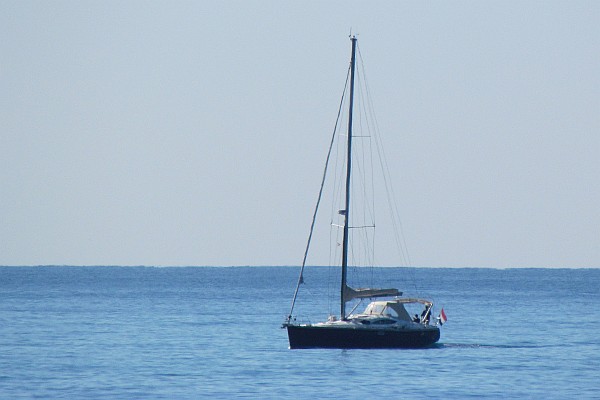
<point x="350" y="293"/>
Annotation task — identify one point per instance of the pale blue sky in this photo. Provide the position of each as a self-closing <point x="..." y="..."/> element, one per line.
<point x="194" y="133"/>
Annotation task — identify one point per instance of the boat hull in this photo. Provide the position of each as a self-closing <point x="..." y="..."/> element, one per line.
<point x="309" y="336"/>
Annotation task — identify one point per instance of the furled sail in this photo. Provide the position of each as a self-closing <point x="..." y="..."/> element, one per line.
<point x="363" y="293"/>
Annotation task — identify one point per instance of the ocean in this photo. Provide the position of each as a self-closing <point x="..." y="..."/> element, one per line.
<point x="214" y="332"/>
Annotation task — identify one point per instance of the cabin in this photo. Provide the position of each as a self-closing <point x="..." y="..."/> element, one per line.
<point x="394" y="308"/>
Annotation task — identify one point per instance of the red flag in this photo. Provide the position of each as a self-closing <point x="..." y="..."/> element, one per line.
<point x="442" y="317"/>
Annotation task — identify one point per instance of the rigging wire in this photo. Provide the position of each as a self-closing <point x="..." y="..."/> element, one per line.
<point x="367" y="156"/>
<point x="390" y="195"/>
<point x="363" y="254"/>
<point x="368" y="185"/>
<point x="312" y="226"/>
<point x="372" y="128"/>
<point x="337" y="192"/>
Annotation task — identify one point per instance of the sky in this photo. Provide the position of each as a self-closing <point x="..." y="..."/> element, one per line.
<point x="194" y="133"/>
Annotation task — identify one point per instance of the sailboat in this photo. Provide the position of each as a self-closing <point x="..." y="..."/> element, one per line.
<point x="385" y="322"/>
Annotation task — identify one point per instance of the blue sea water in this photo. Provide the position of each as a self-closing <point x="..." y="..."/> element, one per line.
<point x="200" y="332"/>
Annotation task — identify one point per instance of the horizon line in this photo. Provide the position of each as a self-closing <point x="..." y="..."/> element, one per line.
<point x="277" y="266"/>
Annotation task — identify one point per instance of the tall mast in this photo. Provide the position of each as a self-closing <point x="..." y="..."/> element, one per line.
<point x="348" y="168"/>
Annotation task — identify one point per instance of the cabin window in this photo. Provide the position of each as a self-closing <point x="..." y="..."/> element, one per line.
<point x="375" y="309"/>
<point x="391" y="312"/>
<point x="384" y="322"/>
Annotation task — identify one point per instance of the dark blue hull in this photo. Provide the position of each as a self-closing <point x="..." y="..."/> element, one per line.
<point x="306" y="337"/>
